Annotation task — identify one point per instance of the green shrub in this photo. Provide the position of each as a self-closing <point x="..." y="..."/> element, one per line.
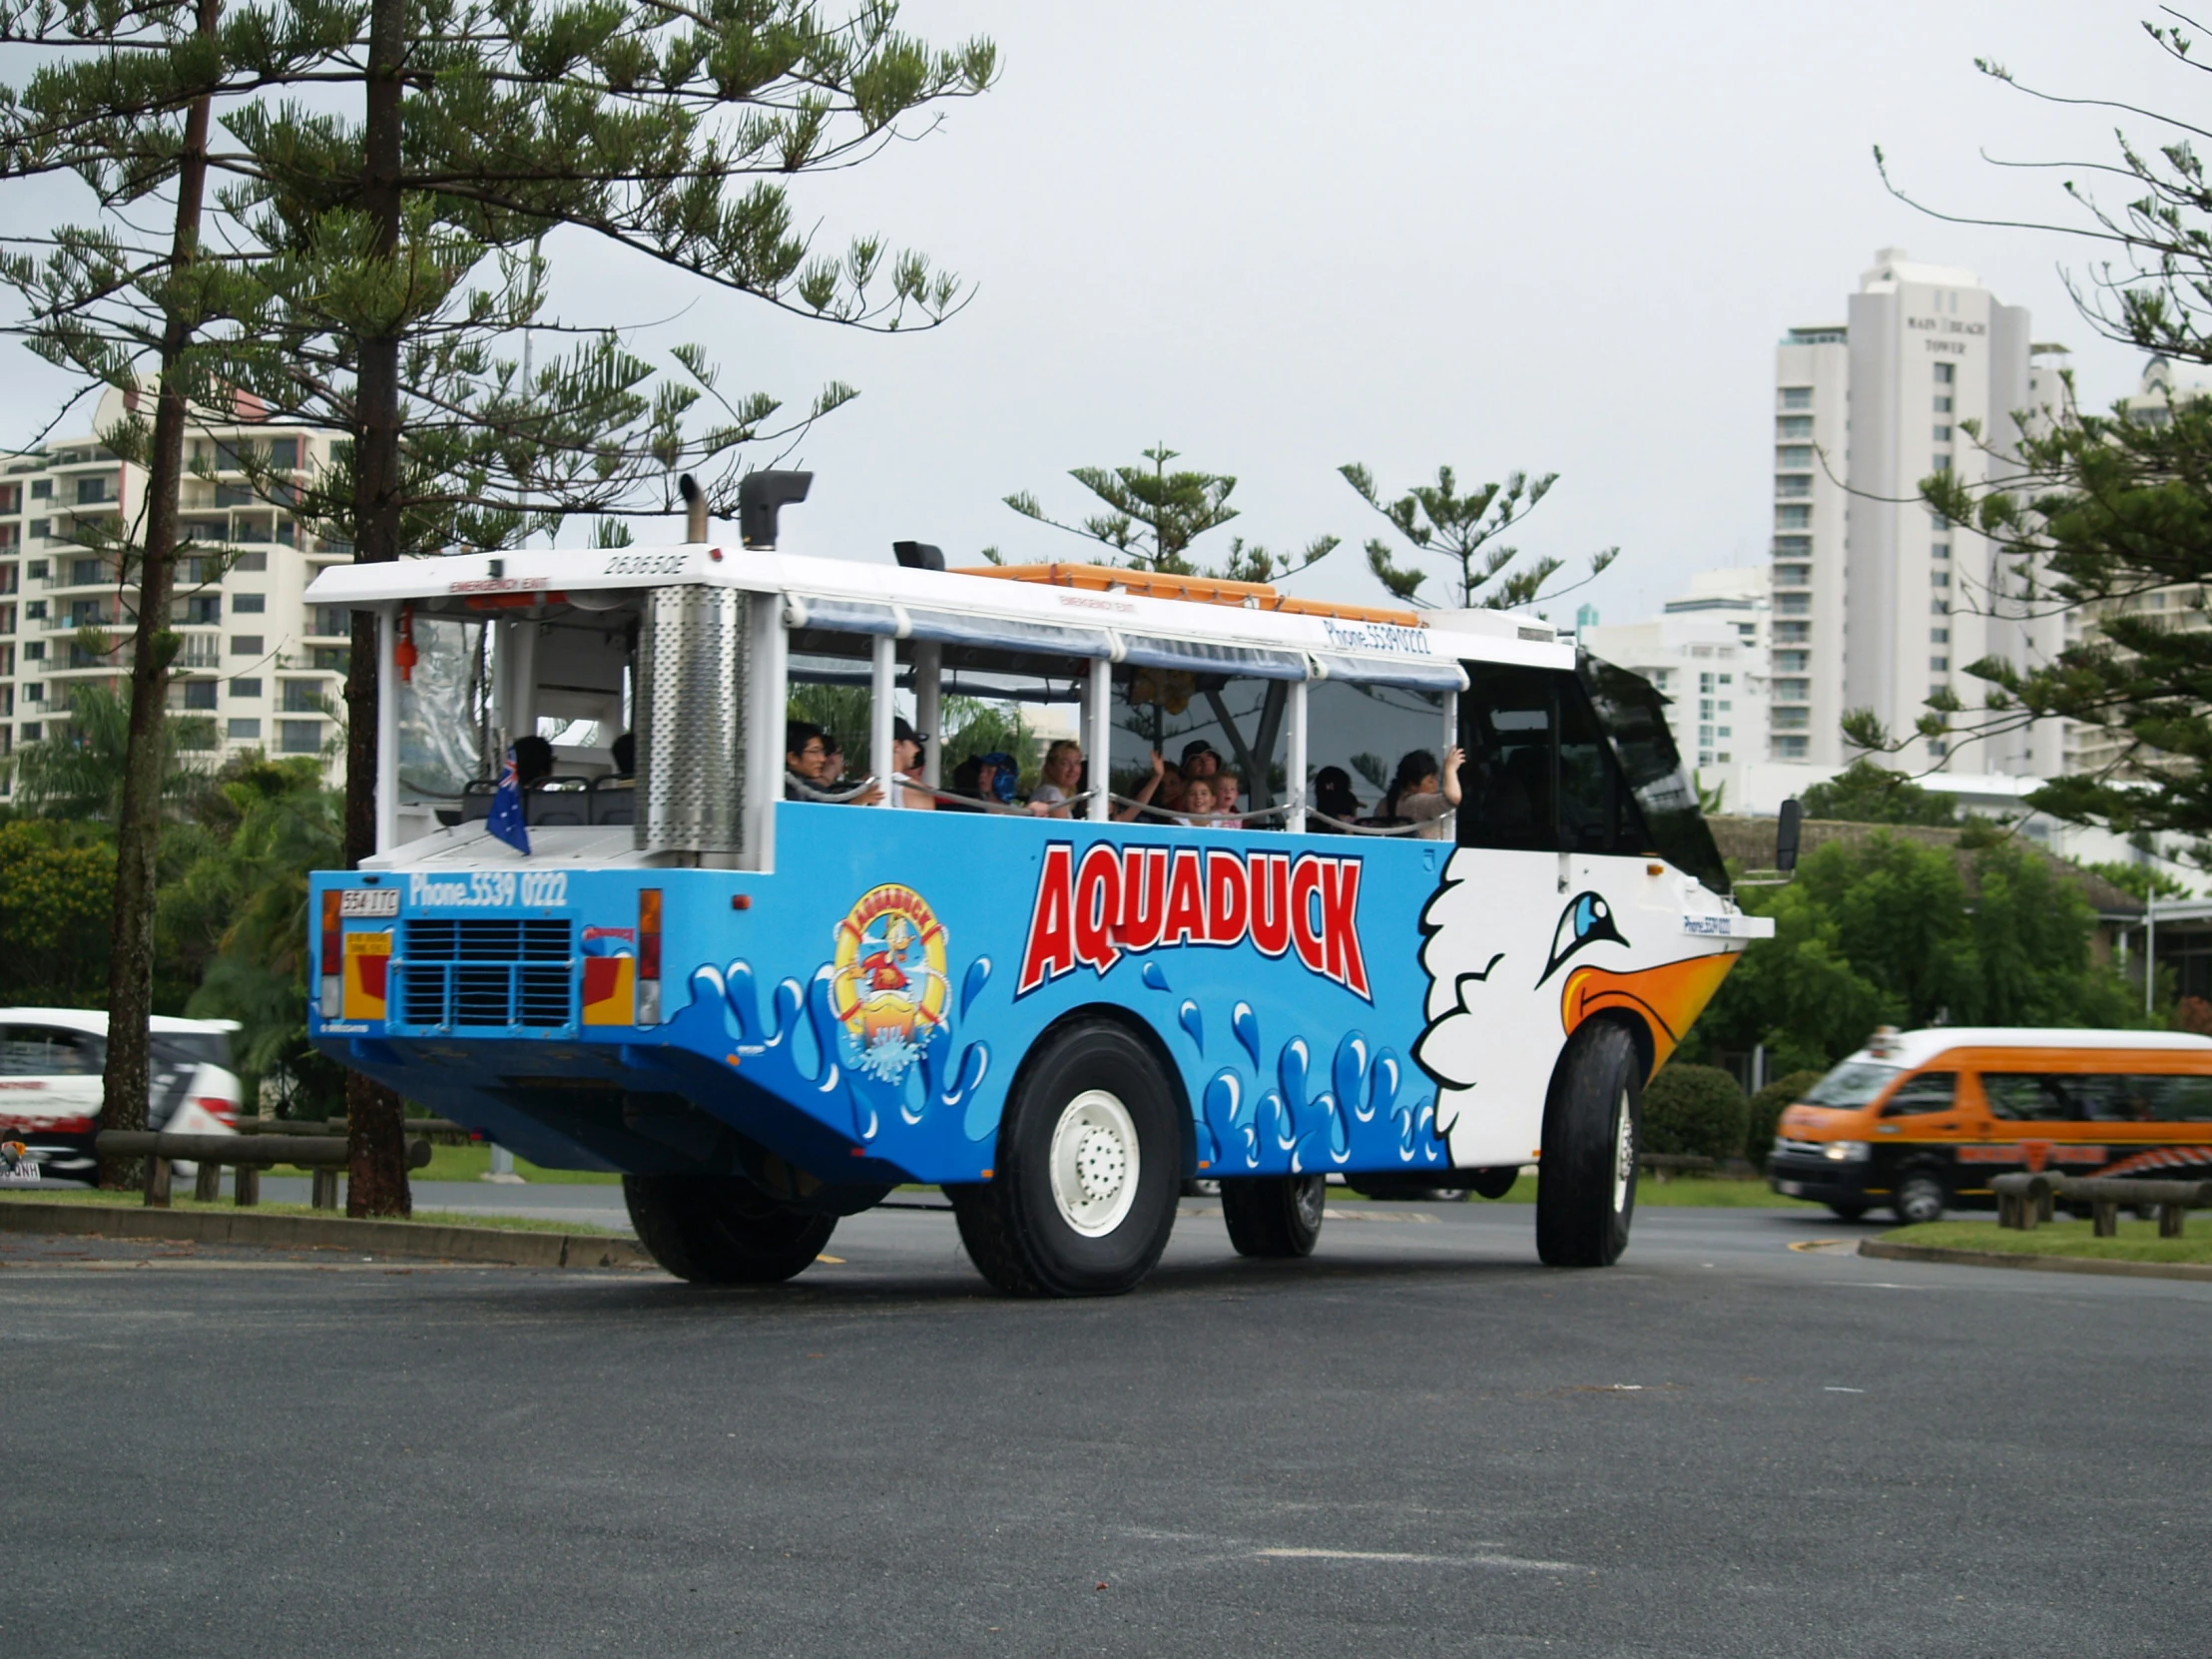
<point x="1695" y="1111"/>
<point x="1766" y="1107"/>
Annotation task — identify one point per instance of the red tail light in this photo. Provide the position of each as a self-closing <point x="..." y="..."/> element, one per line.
<point x="649" y="955"/>
<point x="334" y="947"/>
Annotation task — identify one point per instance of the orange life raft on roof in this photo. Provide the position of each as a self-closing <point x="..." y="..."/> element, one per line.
<point x="1200" y="590"/>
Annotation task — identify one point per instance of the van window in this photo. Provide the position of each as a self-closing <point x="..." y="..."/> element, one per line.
<point x="1931" y="1091"/>
<point x="44" y="1051"/>
<point x="194" y="1048"/>
<point x="1854" y="1083"/>
<point x="2098" y="1097"/>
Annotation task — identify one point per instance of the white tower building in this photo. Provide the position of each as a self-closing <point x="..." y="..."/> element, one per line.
<point x="1879" y="603"/>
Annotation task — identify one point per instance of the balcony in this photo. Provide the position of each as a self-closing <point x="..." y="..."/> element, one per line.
<point x="201" y="651"/>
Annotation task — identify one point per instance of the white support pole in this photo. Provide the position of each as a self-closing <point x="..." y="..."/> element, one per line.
<point x="2150" y="945"/>
<point x="1098" y="736"/>
<point x="524" y="687"/>
<point x="502" y="690"/>
<point x="1295" y="761"/>
<point x="929" y="707"/>
<point x="771" y="705"/>
<point x="387" y="729"/>
<point x="883" y="683"/>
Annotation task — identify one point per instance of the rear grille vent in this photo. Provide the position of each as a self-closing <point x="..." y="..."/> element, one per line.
<point x="479" y="974"/>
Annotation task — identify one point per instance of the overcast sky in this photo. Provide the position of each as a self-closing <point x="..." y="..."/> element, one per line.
<point x="1284" y="236"/>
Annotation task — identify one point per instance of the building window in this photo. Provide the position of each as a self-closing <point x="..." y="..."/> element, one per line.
<point x="243" y="728"/>
<point x="34" y="690"/>
<point x="232" y="495"/>
<point x="1942" y="406"/>
<point x="1794" y="426"/>
<point x="42" y="489"/>
<point x="331" y="659"/>
<point x="34" y="610"/>
<point x="203" y="610"/>
<point x="299" y="737"/>
<point x="1792" y="547"/>
<point x="40" y="529"/>
<point x="1793" y="518"/>
<point x="1792" y="576"/>
<point x="251" y="562"/>
<point x="1797" y="398"/>
<point x="1794" y="456"/>
<point x="1942" y="463"/>
<point x="303" y="697"/>
<point x="200" y="696"/>
<point x="1946" y="374"/>
<point x="1938" y="636"/>
<point x="34" y="651"/>
<point x="1793" y="662"/>
<point x="82" y="573"/>
<point x="1792" y="691"/>
<point x="1790" y="749"/>
<point x="1938" y="550"/>
<point x="331" y="621"/>
<point x="1795" y="604"/>
<point x="1938" y="665"/>
<point x="284" y="453"/>
<point x="245" y="645"/>
<point x="32" y="729"/>
<point x="91" y="491"/>
<point x="1939" y="578"/>
<point x="1793" y="483"/>
<point x="249" y="604"/>
<point x="1943" y="434"/>
<point x="1793" y="633"/>
<point x="246" y="687"/>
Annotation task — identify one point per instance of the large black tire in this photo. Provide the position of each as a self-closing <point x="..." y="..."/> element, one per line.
<point x="722" y="1230"/>
<point x="1090" y="1162"/>
<point x="1275" y="1215"/>
<point x="1586" y="1180"/>
<point x="1919" y="1196"/>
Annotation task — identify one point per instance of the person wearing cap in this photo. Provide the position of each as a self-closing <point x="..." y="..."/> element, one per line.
<point x="1200" y="759"/>
<point x="908" y="787"/>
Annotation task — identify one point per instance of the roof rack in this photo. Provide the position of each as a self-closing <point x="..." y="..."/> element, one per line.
<point x="1200" y="590"/>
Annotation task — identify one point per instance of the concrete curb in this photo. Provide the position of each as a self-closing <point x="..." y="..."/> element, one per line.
<point x="2199" y="1271"/>
<point x="370" y="1237"/>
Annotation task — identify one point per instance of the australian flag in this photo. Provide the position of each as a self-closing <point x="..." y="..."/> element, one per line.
<point x="505" y="818"/>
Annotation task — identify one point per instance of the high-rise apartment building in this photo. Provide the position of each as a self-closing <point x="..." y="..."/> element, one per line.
<point x="261" y="667"/>
<point x="1877" y="602"/>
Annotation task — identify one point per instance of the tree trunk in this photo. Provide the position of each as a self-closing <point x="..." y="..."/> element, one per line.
<point x="376" y="1164"/>
<point x="126" y="1083"/>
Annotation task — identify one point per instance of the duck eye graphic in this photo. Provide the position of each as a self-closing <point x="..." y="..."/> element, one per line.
<point x="1586" y="921"/>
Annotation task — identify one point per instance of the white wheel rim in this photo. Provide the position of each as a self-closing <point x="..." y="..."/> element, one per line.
<point x="1095" y="1163"/>
<point x="1624" y="1154"/>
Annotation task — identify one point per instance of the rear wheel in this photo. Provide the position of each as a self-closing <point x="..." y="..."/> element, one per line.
<point x="1919" y="1196"/>
<point x="1090" y="1156"/>
<point x="1275" y="1215"/>
<point x="1586" y="1181"/>
<point x="722" y="1230"/>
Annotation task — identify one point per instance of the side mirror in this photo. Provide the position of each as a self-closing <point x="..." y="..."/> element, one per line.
<point x="1785" y="835"/>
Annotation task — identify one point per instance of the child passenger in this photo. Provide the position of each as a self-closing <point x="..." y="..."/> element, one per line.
<point x="1225" y="800"/>
<point x="1423" y="795"/>
<point x="1198" y="804"/>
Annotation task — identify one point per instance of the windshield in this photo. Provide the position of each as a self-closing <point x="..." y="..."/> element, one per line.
<point x="1635" y="718"/>
<point x="1854" y="1083"/>
<point x="197" y="1048"/>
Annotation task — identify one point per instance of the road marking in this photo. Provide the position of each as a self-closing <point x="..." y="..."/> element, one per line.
<point x="1511" y="1563"/>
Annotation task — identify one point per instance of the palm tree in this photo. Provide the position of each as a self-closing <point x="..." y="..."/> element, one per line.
<point x="78" y="771"/>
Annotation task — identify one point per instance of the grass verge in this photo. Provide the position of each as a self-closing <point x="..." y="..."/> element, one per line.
<point x="43" y="1193"/>
<point x="2138" y="1240"/>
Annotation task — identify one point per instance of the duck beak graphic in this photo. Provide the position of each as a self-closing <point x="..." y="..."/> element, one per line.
<point x="1667" y="998"/>
<point x="1586" y="921"/>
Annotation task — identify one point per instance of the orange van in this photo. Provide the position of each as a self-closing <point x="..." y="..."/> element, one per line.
<point x="1920" y="1121"/>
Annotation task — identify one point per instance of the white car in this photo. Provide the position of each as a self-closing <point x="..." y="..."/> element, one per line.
<point x="51" y="1060"/>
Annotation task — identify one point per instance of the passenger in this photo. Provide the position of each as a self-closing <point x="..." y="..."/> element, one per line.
<point x="804" y="750"/>
<point x="626" y="755"/>
<point x="832" y="763"/>
<point x="1140" y="802"/>
<point x="1063" y="780"/>
<point x="908" y="788"/>
<point x="1198" y="804"/>
<point x="1422" y="795"/>
<point x="533" y="761"/>
<point x="968" y="779"/>
<point x="1226" y="789"/>
<point x="1170" y="798"/>
<point x="1000" y="775"/>
<point x="1333" y="796"/>
<point x="1200" y="759"/>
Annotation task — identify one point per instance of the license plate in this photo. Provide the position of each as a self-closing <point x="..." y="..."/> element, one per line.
<point x="369" y="902"/>
<point x="1789" y="1189"/>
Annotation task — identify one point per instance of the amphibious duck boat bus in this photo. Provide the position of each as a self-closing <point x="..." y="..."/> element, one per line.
<point x="768" y="1001"/>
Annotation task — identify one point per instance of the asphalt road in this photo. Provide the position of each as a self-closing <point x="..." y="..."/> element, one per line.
<point x="1417" y="1442"/>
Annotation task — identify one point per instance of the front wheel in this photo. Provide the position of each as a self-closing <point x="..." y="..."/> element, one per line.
<point x="1275" y="1215"/>
<point x="1586" y="1180"/>
<point x="1090" y="1159"/>
<point x="721" y="1229"/>
<point x="1920" y="1197"/>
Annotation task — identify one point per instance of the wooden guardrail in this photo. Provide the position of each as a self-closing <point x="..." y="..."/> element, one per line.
<point x="2026" y="1201"/>
<point x="324" y="1156"/>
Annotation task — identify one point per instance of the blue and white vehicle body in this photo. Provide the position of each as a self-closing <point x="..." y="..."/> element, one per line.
<point x="829" y="999"/>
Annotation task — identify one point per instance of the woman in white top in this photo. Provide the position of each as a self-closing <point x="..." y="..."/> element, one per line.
<point x="908" y="788"/>
<point x="1425" y="795"/>
<point x="1063" y="771"/>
